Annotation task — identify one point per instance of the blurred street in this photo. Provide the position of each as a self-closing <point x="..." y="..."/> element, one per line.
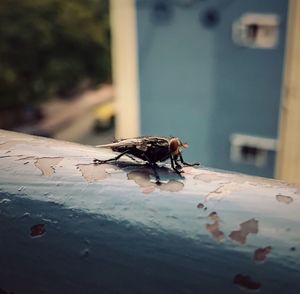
<point x="74" y="119"/>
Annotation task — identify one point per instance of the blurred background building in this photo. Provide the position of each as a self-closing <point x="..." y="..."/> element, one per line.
<point x="220" y="74"/>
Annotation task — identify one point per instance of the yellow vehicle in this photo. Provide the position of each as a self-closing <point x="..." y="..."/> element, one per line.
<point x="104" y="116"/>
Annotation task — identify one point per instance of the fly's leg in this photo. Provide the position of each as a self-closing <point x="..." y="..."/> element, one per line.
<point x="131" y="157"/>
<point x="173" y="166"/>
<point x="154" y="168"/>
<point x="97" y="161"/>
<point x="187" y="164"/>
<point x="177" y="165"/>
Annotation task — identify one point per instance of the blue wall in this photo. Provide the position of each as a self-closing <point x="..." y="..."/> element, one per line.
<point x="197" y="84"/>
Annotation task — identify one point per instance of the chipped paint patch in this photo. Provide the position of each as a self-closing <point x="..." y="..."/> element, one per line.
<point x="37" y="230"/>
<point x="214" y="227"/>
<point x="171" y="186"/>
<point x="47" y="165"/>
<point x="25" y="157"/>
<point x="215" y="231"/>
<point x="260" y="254"/>
<point x="189" y="170"/>
<point x="284" y="199"/>
<point x="210" y="177"/>
<point x="93" y="173"/>
<point x="239" y="180"/>
<point x="246" y="283"/>
<point x="225" y="189"/>
<point x="246" y="228"/>
<point x="143" y="179"/>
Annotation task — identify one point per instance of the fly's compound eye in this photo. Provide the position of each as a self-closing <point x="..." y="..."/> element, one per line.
<point x="174" y="146"/>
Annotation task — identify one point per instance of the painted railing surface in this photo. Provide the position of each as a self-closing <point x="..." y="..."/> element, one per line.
<point x="69" y="226"/>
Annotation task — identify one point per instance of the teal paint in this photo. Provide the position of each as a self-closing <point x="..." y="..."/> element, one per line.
<point x="197" y="84"/>
<point x="113" y="236"/>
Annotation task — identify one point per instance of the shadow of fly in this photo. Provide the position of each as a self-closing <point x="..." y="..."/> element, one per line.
<point x="151" y="150"/>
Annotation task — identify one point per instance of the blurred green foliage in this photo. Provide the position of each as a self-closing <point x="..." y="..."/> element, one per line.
<point x="48" y="47"/>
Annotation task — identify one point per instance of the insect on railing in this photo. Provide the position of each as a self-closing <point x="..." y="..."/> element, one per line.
<point x="68" y="225"/>
<point x="151" y="150"/>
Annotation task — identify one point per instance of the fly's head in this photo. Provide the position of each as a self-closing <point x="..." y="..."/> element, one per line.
<point x="176" y="146"/>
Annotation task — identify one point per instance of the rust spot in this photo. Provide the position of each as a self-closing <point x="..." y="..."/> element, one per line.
<point x="260" y="254"/>
<point x="37" y="230"/>
<point x="200" y="205"/>
<point x="246" y="228"/>
<point x="246" y="283"/>
<point x="214" y="227"/>
<point x="47" y="164"/>
<point x="284" y="199"/>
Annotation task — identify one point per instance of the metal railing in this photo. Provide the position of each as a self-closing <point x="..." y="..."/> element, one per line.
<point x="69" y="226"/>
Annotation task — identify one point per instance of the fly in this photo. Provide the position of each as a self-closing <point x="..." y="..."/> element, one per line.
<point x="151" y="150"/>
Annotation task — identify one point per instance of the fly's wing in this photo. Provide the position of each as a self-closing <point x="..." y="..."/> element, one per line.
<point x="122" y="143"/>
<point x="140" y="143"/>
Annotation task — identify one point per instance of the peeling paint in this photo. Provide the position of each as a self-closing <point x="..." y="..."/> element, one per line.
<point x="260" y="254"/>
<point x="225" y="189"/>
<point x="143" y="179"/>
<point x="22" y="157"/>
<point x="239" y="181"/>
<point x="214" y="227"/>
<point x="246" y="228"/>
<point x="246" y="283"/>
<point x="93" y="173"/>
<point x="37" y="230"/>
<point x="47" y="164"/>
<point x="215" y="231"/>
<point x="210" y="177"/>
<point x="171" y="186"/>
<point x="284" y="199"/>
